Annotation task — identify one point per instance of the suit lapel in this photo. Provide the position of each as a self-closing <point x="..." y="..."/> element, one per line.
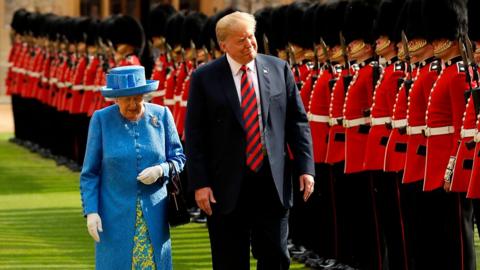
<point x="263" y="75"/>
<point x="229" y="89"/>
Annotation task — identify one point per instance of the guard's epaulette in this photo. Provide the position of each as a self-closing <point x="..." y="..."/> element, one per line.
<point x="309" y="65"/>
<point x="374" y="63"/>
<point x="338" y="68"/>
<point x="399" y="66"/>
<point x="435" y="66"/>
<point x="461" y="67"/>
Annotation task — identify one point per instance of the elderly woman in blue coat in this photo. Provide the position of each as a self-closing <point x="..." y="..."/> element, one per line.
<point x="124" y="173"/>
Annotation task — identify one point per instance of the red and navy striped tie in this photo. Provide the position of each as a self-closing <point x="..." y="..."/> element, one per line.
<point x="252" y="124"/>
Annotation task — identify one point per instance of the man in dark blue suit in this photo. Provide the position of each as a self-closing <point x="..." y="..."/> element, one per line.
<point x="243" y="111"/>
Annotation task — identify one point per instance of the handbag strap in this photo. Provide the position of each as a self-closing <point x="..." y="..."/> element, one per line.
<point x="175" y="182"/>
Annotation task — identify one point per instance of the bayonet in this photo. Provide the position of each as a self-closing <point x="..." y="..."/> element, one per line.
<point x="348" y="78"/>
<point x="266" y="47"/>
<point x="193" y="51"/>
<point x="212" y="48"/>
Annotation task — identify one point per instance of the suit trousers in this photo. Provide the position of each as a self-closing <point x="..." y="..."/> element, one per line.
<point x="259" y="220"/>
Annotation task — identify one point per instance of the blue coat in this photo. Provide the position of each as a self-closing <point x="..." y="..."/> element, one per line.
<point x="117" y="151"/>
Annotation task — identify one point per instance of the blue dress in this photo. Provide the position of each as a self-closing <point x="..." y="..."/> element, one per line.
<point x="117" y="151"/>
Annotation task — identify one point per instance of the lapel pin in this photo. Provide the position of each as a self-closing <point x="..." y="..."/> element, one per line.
<point x="265" y="70"/>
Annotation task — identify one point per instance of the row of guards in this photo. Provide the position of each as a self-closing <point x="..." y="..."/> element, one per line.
<point x="393" y="112"/>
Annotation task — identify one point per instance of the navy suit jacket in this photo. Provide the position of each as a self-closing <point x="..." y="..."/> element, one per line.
<point x="215" y="136"/>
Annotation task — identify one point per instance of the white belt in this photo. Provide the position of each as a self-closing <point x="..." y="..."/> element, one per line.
<point x="68" y="84"/>
<point x="89" y="87"/>
<point x="177" y="98"/>
<point x="356" y="122"/>
<point x="477" y="136"/>
<point x="318" y="118"/>
<point x="376" y="121"/>
<point x="183" y="103"/>
<point x="438" y="131"/>
<point x="60" y="84"/>
<point x="160" y="93"/>
<point x="169" y="102"/>
<point x="78" y="87"/>
<point x="44" y="79"/>
<point x="415" y="130"/>
<point x="465" y="133"/>
<point x="399" y="123"/>
<point x="35" y="74"/>
<point x="334" y="121"/>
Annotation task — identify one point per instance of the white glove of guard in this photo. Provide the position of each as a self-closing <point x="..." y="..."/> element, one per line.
<point x="449" y="171"/>
<point x="150" y="175"/>
<point x="94" y="225"/>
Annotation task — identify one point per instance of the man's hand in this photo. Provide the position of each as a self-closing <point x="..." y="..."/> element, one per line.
<point x="203" y="197"/>
<point x="94" y="225"/>
<point x="150" y="175"/>
<point x="306" y="185"/>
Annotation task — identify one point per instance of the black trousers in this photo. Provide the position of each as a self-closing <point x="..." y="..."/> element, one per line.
<point x="412" y="203"/>
<point x="391" y="223"/>
<point x="320" y="225"/>
<point x="448" y="223"/>
<point x="259" y="220"/>
<point x="360" y="243"/>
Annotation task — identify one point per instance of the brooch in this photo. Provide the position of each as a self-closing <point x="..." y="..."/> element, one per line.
<point x="154" y="120"/>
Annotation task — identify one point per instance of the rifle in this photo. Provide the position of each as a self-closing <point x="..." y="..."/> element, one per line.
<point x="325" y="53"/>
<point x="266" y="48"/>
<point x="468" y="60"/>
<point x="212" y="49"/>
<point x="205" y="52"/>
<point x="184" y="60"/>
<point x="193" y="51"/>
<point x="408" y="78"/>
<point x="348" y="78"/>
<point x="294" y="64"/>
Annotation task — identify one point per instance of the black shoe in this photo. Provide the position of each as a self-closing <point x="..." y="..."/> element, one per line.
<point x="200" y="219"/>
<point x="315" y="263"/>
<point x="296" y="251"/>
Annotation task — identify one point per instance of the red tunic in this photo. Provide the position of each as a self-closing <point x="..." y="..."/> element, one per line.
<point x="182" y="74"/>
<point x="160" y="74"/>
<point x="43" y="86"/>
<point x="336" y="135"/>
<point x="307" y="88"/>
<point x="77" y="86"/>
<point x="426" y="75"/>
<point x="89" y="83"/>
<point x="318" y="114"/>
<point x="464" y="162"/>
<point x="358" y="100"/>
<point x="12" y="62"/>
<point x="35" y="73"/>
<point x="381" y="112"/>
<point x="445" y="109"/>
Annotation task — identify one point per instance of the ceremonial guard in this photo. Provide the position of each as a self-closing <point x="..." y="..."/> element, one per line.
<point x="157" y="20"/>
<point x="386" y="185"/>
<point x="450" y="212"/>
<point x="474" y="188"/>
<point x="367" y="243"/>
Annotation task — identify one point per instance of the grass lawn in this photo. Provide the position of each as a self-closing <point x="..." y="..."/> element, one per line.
<point x="41" y="222"/>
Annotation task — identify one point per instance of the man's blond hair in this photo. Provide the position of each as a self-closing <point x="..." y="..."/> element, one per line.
<point x="227" y="23"/>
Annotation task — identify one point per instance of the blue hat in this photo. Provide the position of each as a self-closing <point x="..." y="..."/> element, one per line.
<point x="127" y="81"/>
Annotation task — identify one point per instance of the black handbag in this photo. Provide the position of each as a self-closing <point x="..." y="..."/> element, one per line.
<point x="177" y="206"/>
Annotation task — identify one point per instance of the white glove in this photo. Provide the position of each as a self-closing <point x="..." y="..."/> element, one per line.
<point x="150" y="175"/>
<point x="449" y="171"/>
<point x="94" y="225"/>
